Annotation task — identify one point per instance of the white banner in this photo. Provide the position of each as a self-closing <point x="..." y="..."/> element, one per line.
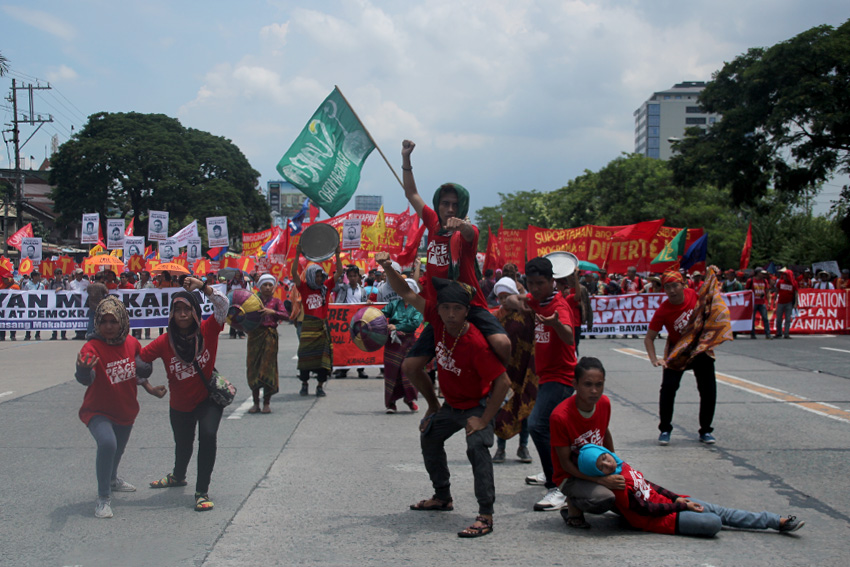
<point x="184" y="234"/>
<point x="217" y="232"/>
<point x="114" y="234"/>
<point x="157" y="226"/>
<point x="47" y="310"/>
<point x="91" y="228"/>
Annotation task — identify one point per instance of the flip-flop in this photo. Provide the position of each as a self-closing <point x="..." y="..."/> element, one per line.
<point x="478" y="531"/>
<point x="420" y="506"/>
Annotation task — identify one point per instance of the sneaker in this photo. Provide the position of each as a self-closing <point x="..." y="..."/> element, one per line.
<point x="413" y="407"/>
<point x="523" y="455"/>
<point x="664" y="438"/>
<point x="103" y="508"/>
<point x="536" y="479"/>
<point x="787" y="336"/>
<point x="362" y="374"/>
<point x="391" y="409"/>
<point x="320" y="392"/>
<point x="499" y="456"/>
<point x="791" y="524"/>
<point x="707" y="438"/>
<point x="553" y="501"/>
<point x="304" y="389"/>
<point x="119" y="485"/>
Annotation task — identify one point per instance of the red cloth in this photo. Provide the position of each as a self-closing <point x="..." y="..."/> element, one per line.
<point x="313" y="302"/>
<point x="785" y="287"/>
<point x="645" y="505"/>
<point x="567" y="428"/>
<point x="439" y="258"/>
<point x="554" y="361"/>
<point x="113" y="392"/>
<point x="760" y="288"/>
<point x="674" y="317"/>
<point x="187" y="388"/>
<point x="467" y="372"/>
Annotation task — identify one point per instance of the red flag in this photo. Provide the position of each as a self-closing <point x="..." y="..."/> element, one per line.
<point x="748" y="248"/>
<point x="15" y="240"/>
<point x="492" y="260"/>
<point x="641" y="231"/>
<point x="129" y="230"/>
<point x="314" y="212"/>
<point x="408" y="255"/>
<point x="26" y="266"/>
<point x="66" y="264"/>
<point x="202" y="267"/>
<point x="135" y="263"/>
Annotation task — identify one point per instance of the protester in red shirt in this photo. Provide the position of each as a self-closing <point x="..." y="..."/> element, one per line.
<point x="786" y="300"/>
<point x="188" y="350"/>
<point x="675" y="316"/>
<point x="761" y="299"/>
<point x="631" y="284"/>
<point x="652" y="508"/>
<point x="473" y="382"/>
<point x="125" y="282"/>
<point x="107" y="366"/>
<point x="315" y="350"/>
<point x="7" y="282"/>
<point x="578" y="420"/>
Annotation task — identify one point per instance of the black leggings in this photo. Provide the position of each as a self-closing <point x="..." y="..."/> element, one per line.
<point x="703" y="367"/>
<point x="207" y="416"/>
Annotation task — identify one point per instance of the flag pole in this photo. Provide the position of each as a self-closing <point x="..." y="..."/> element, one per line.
<point x="377" y="147"/>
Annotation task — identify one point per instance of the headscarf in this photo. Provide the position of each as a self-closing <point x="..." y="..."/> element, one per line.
<point x="589" y="454"/>
<point x="505" y="284"/>
<point x="111" y="305"/>
<point x="266" y="278"/>
<point x="310" y="274"/>
<point x="672" y="275"/>
<point x="462" y="199"/>
<point x="449" y="291"/>
<point x="411" y="283"/>
<point x="186" y="345"/>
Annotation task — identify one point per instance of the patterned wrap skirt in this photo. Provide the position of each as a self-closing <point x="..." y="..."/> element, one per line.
<point x="315" y="351"/>
<point x="262" y="359"/>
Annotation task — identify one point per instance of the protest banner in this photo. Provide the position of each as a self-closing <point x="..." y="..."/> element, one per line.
<point x="114" y="234"/>
<point x="351" y="231"/>
<point x="324" y="162"/>
<point x="217" y="232"/>
<point x="252" y="242"/>
<point x="133" y="246"/>
<point x="345" y="352"/>
<point x="46" y="310"/>
<point x="168" y="249"/>
<point x="193" y="249"/>
<point x="514" y="242"/>
<point x="820" y="311"/>
<point x="31" y="248"/>
<point x="91" y="228"/>
<point x="157" y="226"/>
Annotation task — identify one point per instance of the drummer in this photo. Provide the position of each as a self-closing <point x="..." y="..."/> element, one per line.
<point x="451" y="205"/>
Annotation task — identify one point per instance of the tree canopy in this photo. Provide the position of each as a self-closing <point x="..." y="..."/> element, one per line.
<point x="129" y="163"/>
<point x="785" y="119"/>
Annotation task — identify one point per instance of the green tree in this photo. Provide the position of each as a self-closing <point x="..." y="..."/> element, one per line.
<point x="785" y="119"/>
<point x="132" y="163"/>
<point x="4" y="65"/>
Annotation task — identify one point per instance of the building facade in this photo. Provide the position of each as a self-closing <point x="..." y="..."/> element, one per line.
<point x="284" y="199"/>
<point x="666" y="115"/>
<point x="368" y="202"/>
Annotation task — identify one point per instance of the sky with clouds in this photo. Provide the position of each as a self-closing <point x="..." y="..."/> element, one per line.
<point x="499" y="95"/>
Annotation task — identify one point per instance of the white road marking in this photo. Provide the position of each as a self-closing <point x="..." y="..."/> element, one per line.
<point x="241" y="410"/>
<point x="4" y="394"/>
<point x="769" y="392"/>
<point x="835" y="349"/>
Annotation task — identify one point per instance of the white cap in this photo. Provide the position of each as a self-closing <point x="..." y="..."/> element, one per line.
<point x="505" y="284"/>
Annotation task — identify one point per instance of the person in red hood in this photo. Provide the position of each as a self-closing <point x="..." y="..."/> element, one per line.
<point x="786" y="292"/>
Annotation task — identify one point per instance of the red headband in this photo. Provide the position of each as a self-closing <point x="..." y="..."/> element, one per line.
<point x="671" y="275"/>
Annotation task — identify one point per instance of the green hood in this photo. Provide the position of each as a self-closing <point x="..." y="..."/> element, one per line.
<point x="462" y="200"/>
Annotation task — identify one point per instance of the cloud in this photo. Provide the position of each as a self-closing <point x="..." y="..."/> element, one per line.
<point x="43" y="21"/>
<point x="276" y="33"/>
<point x="61" y="73"/>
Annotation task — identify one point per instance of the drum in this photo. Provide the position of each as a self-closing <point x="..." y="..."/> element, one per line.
<point x="319" y="242"/>
<point x="563" y="264"/>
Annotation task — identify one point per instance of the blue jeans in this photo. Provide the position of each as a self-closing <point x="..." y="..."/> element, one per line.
<point x="549" y="395"/>
<point x="708" y="522"/>
<point x="523" y="437"/>
<point x="784" y="311"/>
<point x="761" y="310"/>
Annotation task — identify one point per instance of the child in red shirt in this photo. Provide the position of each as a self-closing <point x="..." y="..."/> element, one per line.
<point x="107" y="366"/>
<point x="652" y="508"/>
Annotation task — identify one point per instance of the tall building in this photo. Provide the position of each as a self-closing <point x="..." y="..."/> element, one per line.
<point x="284" y="199"/>
<point x="368" y="202"/>
<point x="665" y="115"/>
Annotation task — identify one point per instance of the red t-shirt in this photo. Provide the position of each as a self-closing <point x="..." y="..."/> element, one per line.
<point x="785" y="291"/>
<point x="759" y="288"/>
<point x="439" y="257"/>
<point x="631" y="286"/>
<point x="113" y="392"/>
<point x="187" y="388"/>
<point x="467" y="365"/>
<point x="554" y="360"/>
<point x="641" y="494"/>
<point x="674" y="317"/>
<point x="575" y="310"/>
<point x="313" y="301"/>
<point x="567" y="428"/>
<point x="127" y="285"/>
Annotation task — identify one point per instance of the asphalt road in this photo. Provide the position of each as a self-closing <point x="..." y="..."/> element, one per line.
<point x="328" y="481"/>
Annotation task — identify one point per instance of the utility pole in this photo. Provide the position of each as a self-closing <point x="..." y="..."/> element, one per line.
<point x="19" y="175"/>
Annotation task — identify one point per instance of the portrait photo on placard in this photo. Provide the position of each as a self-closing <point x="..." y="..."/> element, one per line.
<point x="158" y="226"/>
<point x="217" y="232"/>
<point x="168" y="250"/>
<point x="115" y="234"/>
<point x="133" y="246"/>
<point x="31" y="248"/>
<point x="91" y="228"/>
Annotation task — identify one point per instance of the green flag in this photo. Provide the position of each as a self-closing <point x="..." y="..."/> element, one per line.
<point x="325" y="160"/>
<point x="673" y="249"/>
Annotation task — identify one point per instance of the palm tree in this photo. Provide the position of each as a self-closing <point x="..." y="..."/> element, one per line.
<point x="4" y="65"/>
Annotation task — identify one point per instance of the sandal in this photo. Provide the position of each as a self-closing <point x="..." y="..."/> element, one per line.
<point x="266" y="409"/>
<point x="168" y="482"/>
<point x="478" y="531"/>
<point x="254" y="409"/>
<point x="203" y="502"/>
<point x="577" y="522"/>
<point x="440" y="506"/>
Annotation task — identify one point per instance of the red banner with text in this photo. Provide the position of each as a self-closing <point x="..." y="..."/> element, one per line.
<point x="346" y="353"/>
